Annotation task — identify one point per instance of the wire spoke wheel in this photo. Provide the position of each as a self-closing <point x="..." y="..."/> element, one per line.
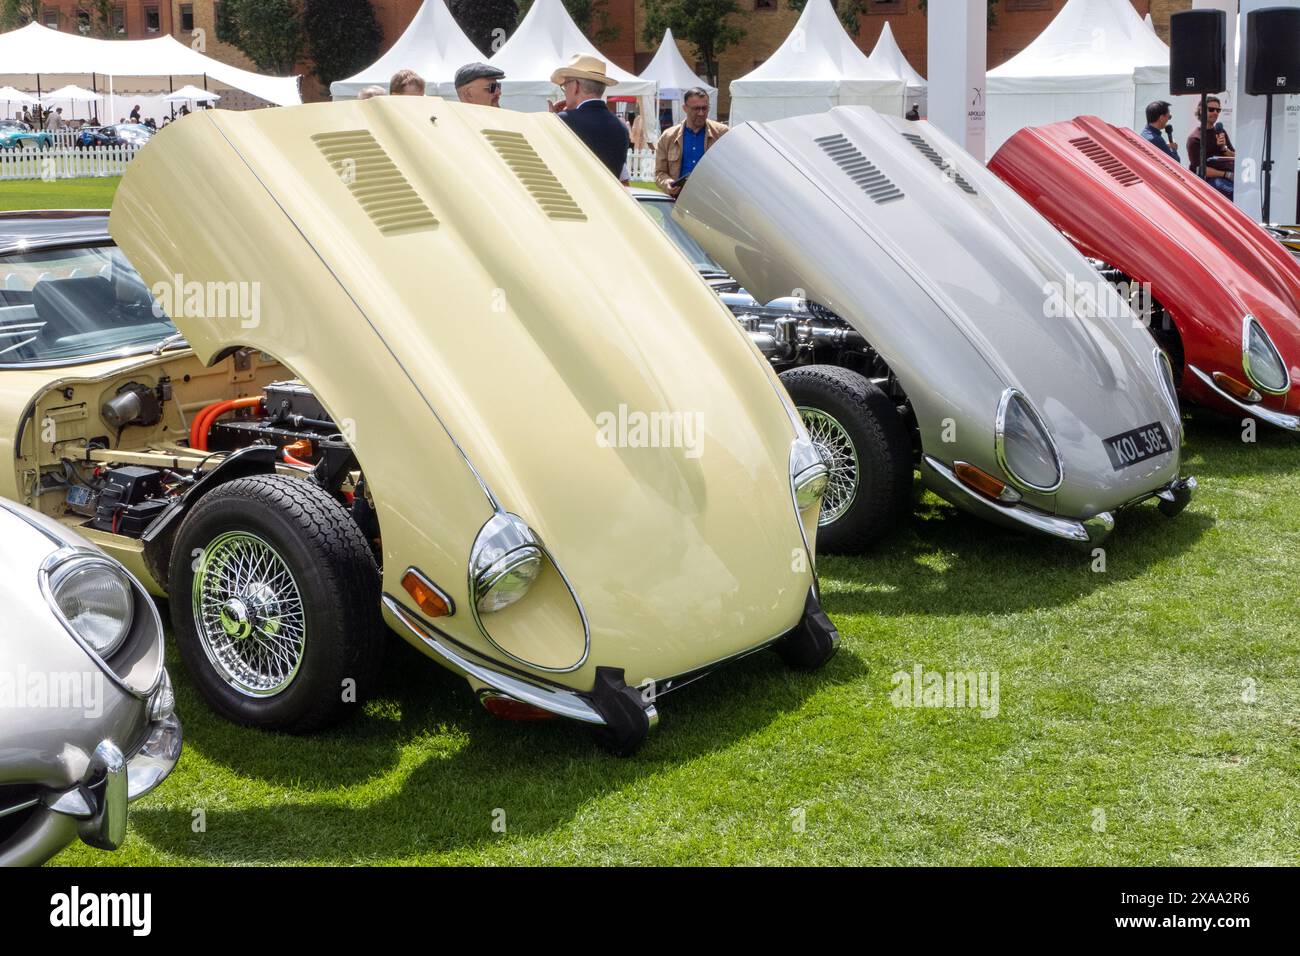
<point x="841" y="458"/>
<point x="249" y="614"/>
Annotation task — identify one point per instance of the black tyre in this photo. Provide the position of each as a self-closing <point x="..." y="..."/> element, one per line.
<point x="275" y="604"/>
<point x="861" y="435"/>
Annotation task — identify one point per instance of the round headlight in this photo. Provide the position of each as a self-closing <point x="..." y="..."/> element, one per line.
<point x="1024" y="449"/>
<point x="808" y="473"/>
<point x="96" y="600"/>
<point x="505" y="561"/>
<point x="1261" y="360"/>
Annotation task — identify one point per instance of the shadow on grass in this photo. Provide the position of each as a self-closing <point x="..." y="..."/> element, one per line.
<point x="1215" y="448"/>
<point x="948" y="562"/>
<point x="540" y="773"/>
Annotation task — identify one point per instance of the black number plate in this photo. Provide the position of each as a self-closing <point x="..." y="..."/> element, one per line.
<point x="1138" y="445"/>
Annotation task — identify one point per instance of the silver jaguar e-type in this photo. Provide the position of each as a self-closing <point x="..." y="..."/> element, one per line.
<point x="945" y="325"/>
<point x="86" y="707"/>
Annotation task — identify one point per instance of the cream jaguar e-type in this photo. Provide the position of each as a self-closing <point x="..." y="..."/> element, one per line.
<point x="431" y="363"/>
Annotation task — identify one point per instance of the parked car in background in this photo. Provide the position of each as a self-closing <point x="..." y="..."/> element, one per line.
<point x="1289" y="236"/>
<point x="15" y="134"/>
<point x="1220" y="295"/>
<point x="87" y="720"/>
<point x="119" y="134"/>
<point x="927" y="338"/>
<point x="320" y="453"/>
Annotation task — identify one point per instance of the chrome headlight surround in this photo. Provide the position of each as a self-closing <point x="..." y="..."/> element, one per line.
<point x="1165" y="369"/>
<point x="1255" y="364"/>
<point x="1013" y="397"/>
<point x="69" y="569"/>
<point x="506" y="559"/>
<point x="808" y="474"/>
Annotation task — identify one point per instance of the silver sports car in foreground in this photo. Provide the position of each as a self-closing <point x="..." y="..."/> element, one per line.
<point x="86" y="707"/>
<point x="946" y="325"/>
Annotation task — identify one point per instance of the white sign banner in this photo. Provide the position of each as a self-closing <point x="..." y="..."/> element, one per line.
<point x="956" y="66"/>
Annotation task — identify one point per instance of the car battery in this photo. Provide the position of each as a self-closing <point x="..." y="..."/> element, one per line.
<point x="123" y="489"/>
<point x="293" y="399"/>
<point x="134" y="520"/>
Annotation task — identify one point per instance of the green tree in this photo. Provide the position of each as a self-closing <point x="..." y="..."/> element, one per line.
<point x="591" y="16"/>
<point x="269" y="31"/>
<point x="342" y="37"/>
<point x="486" y="22"/>
<point x="19" y="13"/>
<point x="702" y="23"/>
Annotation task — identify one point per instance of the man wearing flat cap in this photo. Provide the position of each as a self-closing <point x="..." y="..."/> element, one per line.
<point x="584" y="82"/>
<point x="480" y="84"/>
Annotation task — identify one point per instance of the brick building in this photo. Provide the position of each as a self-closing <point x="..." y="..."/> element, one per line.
<point x="766" y="24"/>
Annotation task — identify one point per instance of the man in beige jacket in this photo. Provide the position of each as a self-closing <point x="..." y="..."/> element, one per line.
<point x="682" y="146"/>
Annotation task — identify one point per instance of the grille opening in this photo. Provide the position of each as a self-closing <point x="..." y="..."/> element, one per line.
<point x="861" y="170"/>
<point x="932" y="154"/>
<point x="375" y="182"/>
<point x="1106" y="160"/>
<point x="535" y="175"/>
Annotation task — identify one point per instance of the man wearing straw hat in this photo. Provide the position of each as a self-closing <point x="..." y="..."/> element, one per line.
<point x="584" y="82"/>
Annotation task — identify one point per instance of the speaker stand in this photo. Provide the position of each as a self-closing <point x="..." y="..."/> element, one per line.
<point x="1268" y="156"/>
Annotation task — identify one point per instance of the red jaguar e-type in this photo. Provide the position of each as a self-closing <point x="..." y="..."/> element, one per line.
<point x="1222" y="295"/>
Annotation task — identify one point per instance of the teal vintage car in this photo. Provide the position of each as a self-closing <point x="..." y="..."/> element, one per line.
<point x="15" y="134"/>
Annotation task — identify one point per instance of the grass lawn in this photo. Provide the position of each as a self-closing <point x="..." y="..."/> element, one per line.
<point x="1148" y="714"/>
<point x="59" y="194"/>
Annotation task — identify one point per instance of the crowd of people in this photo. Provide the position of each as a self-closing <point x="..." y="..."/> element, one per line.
<point x="1220" y="154"/>
<point x="53" y="120"/>
<point x="585" y="81"/>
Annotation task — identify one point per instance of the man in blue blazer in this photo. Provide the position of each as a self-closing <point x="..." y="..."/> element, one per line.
<point x="584" y="82"/>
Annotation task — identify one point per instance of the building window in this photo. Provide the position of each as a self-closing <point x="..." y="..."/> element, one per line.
<point x="50" y="18"/>
<point x="119" y="20"/>
<point x="1030" y="4"/>
<point x="83" y="21"/>
<point x="152" y="22"/>
<point x="187" y="17"/>
<point x="894" y="7"/>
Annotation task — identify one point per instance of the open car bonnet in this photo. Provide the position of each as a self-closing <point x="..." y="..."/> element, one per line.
<point x="1127" y="204"/>
<point x="503" y="329"/>
<point x="958" y="284"/>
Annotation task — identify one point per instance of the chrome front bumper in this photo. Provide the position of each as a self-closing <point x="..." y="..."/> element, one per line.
<point x="1174" y="497"/>
<point x="96" y="809"/>
<point x="1279" y="419"/>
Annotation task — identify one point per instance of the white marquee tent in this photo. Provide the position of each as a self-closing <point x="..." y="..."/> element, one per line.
<point x="36" y="57"/>
<point x="674" y="77"/>
<point x="816" y="68"/>
<point x="1096" y="57"/>
<point x="543" y="42"/>
<point x="887" y="55"/>
<point x="433" y="45"/>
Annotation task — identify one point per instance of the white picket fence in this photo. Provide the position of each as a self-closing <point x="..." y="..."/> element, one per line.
<point x="641" y="165"/>
<point x="65" y="162"/>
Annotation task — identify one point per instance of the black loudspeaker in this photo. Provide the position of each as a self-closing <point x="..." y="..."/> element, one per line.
<point x="1273" y="51"/>
<point x="1198" y="52"/>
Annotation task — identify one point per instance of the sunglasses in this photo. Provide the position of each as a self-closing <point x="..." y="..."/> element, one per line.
<point x="494" y="87"/>
<point x="1213" y="109"/>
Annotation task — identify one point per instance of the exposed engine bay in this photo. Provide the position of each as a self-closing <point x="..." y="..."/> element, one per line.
<point x="118" y="457"/>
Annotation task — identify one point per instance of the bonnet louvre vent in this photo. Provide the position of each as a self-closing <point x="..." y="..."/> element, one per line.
<point x="932" y="154"/>
<point x="376" y="182"/>
<point x="859" y="169"/>
<point x="1106" y="160"/>
<point x="535" y="175"/>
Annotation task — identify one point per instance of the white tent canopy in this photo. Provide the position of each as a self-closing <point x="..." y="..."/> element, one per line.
<point x="191" y="94"/>
<point x="1096" y="57"/>
<point x="542" y="43"/>
<point x="887" y="55"/>
<point x="11" y="95"/>
<point x="816" y="68"/>
<point x="674" y="76"/>
<point x="74" y="94"/>
<point x="433" y="45"/>
<point x="36" y="50"/>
